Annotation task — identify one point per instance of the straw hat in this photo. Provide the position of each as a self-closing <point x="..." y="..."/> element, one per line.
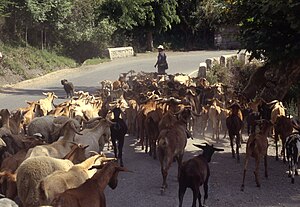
<point x="160" y="47"/>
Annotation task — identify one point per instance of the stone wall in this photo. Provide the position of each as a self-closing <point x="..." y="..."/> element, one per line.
<point x="226" y="38"/>
<point x="119" y="52"/>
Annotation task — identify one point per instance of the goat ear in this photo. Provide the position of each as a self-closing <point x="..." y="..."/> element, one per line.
<point x="218" y="149"/>
<point x="199" y="146"/>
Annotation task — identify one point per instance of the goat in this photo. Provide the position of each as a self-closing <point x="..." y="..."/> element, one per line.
<point x="195" y="173"/>
<point x="171" y="144"/>
<point x="61" y="180"/>
<point x="234" y="125"/>
<point x="59" y="148"/>
<point x="118" y="132"/>
<point x="5" y="129"/>
<point x="214" y="114"/>
<point x="292" y="147"/>
<point x="33" y="169"/>
<point x="8" y="176"/>
<point x="68" y="87"/>
<point x="283" y="128"/>
<point x="46" y="103"/>
<point x="91" y="193"/>
<point x="257" y="147"/>
<point x="95" y="137"/>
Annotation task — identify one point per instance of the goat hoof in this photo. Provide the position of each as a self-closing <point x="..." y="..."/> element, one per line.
<point x="258" y="185"/>
<point x="162" y="191"/>
<point x="242" y="188"/>
<point x="293" y="180"/>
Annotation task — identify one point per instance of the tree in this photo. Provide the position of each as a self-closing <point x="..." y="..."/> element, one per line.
<point x="49" y="16"/>
<point x="270" y="30"/>
<point x="147" y="15"/>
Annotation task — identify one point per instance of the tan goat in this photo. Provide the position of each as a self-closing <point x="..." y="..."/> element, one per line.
<point x="46" y="103"/>
<point x="257" y="147"/>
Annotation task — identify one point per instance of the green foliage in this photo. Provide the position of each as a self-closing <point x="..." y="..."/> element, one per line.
<point x="270" y="29"/>
<point x="237" y="76"/>
<point x="219" y="74"/>
<point x="95" y="61"/>
<point x="150" y="14"/>
<point x="53" y="12"/>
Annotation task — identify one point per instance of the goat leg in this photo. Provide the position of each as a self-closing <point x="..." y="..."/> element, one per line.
<point x="276" y="145"/>
<point x="181" y="192"/>
<point x="244" y="175"/>
<point x="237" y="144"/>
<point x="266" y="166"/>
<point x="196" y="193"/>
<point x="205" y="186"/>
<point x="256" y="172"/>
<point x="231" y="144"/>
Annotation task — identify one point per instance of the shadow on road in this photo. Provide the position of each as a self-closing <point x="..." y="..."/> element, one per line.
<point x="59" y="91"/>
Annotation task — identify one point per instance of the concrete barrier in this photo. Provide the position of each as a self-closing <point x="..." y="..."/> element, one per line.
<point x="228" y="60"/>
<point x="202" y="70"/>
<point x="210" y="62"/>
<point x="120" y="52"/>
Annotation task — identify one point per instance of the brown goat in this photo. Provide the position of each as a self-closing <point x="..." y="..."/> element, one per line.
<point x="283" y="128"/>
<point x="257" y="147"/>
<point x="91" y="193"/>
<point x="171" y="144"/>
<point x="195" y="173"/>
<point x="234" y="125"/>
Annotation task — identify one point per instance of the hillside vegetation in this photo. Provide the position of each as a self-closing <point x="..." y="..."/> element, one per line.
<point x="22" y="63"/>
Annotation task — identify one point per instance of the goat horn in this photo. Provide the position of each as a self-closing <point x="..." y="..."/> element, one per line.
<point x="93" y="153"/>
<point x="2" y="143"/>
<point x="74" y="143"/>
<point x="218" y="149"/>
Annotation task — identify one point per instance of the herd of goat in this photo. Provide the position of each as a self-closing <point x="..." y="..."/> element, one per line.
<point x="53" y="154"/>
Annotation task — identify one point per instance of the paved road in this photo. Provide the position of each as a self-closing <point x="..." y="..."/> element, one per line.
<point x="88" y="78"/>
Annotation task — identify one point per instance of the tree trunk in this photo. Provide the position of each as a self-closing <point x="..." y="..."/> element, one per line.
<point x="42" y="39"/>
<point x="272" y="81"/>
<point x="26" y="35"/>
<point x="150" y="41"/>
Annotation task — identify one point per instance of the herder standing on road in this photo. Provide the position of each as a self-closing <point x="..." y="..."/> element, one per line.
<point x="161" y="63"/>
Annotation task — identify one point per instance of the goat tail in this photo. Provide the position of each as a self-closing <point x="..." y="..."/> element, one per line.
<point x="10" y="176"/>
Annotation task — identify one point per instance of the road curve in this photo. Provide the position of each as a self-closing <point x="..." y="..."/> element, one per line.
<point x="87" y="78"/>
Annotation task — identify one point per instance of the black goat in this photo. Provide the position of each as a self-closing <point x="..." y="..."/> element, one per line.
<point x="118" y="132"/>
<point x="195" y="173"/>
<point x="69" y="88"/>
<point x="292" y="146"/>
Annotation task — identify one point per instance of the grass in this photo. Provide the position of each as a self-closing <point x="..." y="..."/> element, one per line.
<point x="21" y="59"/>
<point x="95" y="61"/>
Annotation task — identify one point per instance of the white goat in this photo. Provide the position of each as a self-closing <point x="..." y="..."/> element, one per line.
<point x="95" y="137"/>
